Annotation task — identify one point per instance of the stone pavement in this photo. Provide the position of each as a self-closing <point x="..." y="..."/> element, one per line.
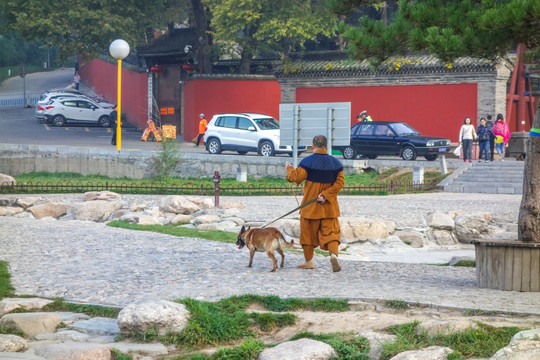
<point x="94" y="263"/>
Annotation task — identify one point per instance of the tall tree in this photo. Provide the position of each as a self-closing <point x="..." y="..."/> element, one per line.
<point x="453" y="28"/>
<point x="204" y="40"/>
<point x="250" y="26"/>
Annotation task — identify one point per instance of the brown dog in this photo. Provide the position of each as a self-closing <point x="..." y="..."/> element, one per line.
<point x="267" y="239"/>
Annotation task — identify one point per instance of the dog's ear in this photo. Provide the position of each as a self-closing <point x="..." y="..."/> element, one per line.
<point x="242" y="229"/>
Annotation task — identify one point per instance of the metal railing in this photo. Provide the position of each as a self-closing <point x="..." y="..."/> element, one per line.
<point x="391" y="187"/>
<point x="17" y="99"/>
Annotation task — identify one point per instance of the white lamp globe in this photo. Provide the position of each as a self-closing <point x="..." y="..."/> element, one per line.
<point x="119" y="49"/>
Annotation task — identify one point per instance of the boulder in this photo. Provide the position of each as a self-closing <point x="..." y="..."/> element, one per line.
<point x="10" y="210"/>
<point x="519" y="350"/>
<point x="26" y="202"/>
<point x="165" y="315"/>
<point x="443" y="238"/>
<point x="202" y="202"/>
<point x="533" y="334"/>
<point x="222" y="226"/>
<point x="5" y="201"/>
<point x="153" y="351"/>
<point x="358" y="229"/>
<point x="9" y="304"/>
<point x="148" y="220"/>
<point x="132" y="218"/>
<point x="21" y="356"/>
<point x="12" y="343"/>
<point x="54" y="210"/>
<point x="392" y="243"/>
<point x="301" y="349"/>
<point x="291" y="228"/>
<point x="178" y="204"/>
<point x="137" y="207"/>
<point x="231" y="205"/>
<point x="412" y="238"/>
<point x="74" y="350"/>
<point x="97" y="210"/>
<point x="444" y="327"/>
<point x="116" y="215"/>
<point x="32" y="324"/>
<point x="440" y="221"/>
<point x="376" y="341"/>
<point x="7" y="180"/>
<point x="429" y="353"/>
<point x="97" y="326"/>
<point x="204" y="219"/>
<point x="64" y="335"/>
<point x="181" y="219"/>
<point x="487" y="216"/>
<point x="101" y="195"/>
<point x="237" y="220"/>
<point x="469" y="227"/>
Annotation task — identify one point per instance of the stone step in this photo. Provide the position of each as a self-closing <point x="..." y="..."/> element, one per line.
<point x="499" y="179"/>
<point x="479" y="188"/>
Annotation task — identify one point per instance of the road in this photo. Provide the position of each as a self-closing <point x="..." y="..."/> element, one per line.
<point x="39" y="82"/>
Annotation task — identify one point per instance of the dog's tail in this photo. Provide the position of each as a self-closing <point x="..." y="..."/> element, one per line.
<point x="284" y="243"/>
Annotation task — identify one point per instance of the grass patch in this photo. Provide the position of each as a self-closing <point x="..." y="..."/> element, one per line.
<point x="118" y="355"/>
<point x="91" y="310"/>
<point x="214" y="235"/>
<point x="397" y="304"/>
<point x="347" y="346"/>
<point x="248" y="350"/>
<point x="10" y="330"/>
<point x="6" y="290"/>
<point x="479" y="312"/>
<point x="269" y="321"/>
<point x="481" y="342"/>
<point x="466" y="263"/>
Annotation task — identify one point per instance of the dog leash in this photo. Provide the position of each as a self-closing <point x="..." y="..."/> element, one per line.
<point x="290" y="212"/>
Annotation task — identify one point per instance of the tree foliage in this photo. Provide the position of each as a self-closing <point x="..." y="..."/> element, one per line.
<point x="446" y="28"/>
<point x="85" y="27"/>
<point x="251" y="26"/>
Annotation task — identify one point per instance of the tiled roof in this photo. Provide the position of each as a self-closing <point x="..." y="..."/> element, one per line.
<point x="340" y="66"/>
<point x="173" y="43"/>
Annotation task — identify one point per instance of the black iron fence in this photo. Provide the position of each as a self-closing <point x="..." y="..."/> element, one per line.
<point x="390" y="187"/>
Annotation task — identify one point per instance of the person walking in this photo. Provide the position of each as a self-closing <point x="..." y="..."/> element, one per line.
<point x="492" y="137"/>
<point x="466" y="136"/>
<point x="202" y="128"/>
<point x="363" y="116"/>
<point x="113" y="118"/>
<point x="77" y="80"/>
<point x="319" y="225"/>
<point x="502" y="132"/>
<point x="483" y="139"/>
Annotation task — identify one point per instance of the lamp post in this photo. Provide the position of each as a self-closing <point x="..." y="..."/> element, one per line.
<point x="119" y="49"/>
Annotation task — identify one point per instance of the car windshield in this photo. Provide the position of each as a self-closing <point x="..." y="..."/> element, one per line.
<point x="267" y="123"/>
<point x="404" y="129"/>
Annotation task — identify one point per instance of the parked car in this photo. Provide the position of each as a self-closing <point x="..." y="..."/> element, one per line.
<point x="49" y="95"/>
<point x="245" y="132"/>
<point x="76" y="110"/>
<point x="372" y="139"/>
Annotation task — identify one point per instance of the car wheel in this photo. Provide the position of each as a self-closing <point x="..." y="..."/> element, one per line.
<point x="266" y="149"/>
<point x="431" y="157"/>
<point x="58" y="120"/>
<point x="214" y="146"/>
<point x="349" y="153"/>
<point x="371" y="157"/>
<point x="104" y="121"/>
<point x="242" y="152"/>
<point x="408" y="153"/>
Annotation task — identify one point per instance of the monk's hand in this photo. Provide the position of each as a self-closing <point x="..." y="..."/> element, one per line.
<point x="321" y="199"/>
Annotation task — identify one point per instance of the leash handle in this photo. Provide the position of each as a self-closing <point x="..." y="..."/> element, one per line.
<point x="290" y="212"/>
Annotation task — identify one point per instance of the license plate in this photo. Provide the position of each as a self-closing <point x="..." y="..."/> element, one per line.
<point x="442" y="150"/>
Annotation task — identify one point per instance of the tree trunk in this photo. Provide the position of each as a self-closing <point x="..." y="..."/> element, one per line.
<point x="529" y="211"/>
<point x="203" y="39"/>
<point x="245" y="62"/>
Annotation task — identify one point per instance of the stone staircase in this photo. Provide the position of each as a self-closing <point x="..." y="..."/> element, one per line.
<point x="495" y="177"/>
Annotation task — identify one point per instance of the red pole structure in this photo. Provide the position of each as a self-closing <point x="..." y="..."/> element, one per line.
<point x="518" y="81"/>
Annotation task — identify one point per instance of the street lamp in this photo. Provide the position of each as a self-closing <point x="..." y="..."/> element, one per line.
<point x="119" y="49"/>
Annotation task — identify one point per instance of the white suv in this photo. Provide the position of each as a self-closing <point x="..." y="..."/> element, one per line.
<point x="245" y="132"/>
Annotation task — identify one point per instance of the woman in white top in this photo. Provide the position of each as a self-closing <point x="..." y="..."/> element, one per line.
<point x="466" y="136"/>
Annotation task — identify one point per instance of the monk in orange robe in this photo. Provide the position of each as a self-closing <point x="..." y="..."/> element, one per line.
<point x="319" y="225"/>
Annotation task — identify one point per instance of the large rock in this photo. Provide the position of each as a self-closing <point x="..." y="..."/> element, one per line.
<point x="10" y="210"/>
<point x="231" y="205"/>
<point x="412" y="238"/>
<point x="469" y="227"/>
<point x="178" y="204"/>
<point x="376" y="341"/>
<point x="5" y="201"/>
<point x="12" y="343"/>
<point x="148" y="220"/>
<point x="181" y="219"/>
<point x="291" y="228"/>
<point x="7" y="180"/>
<point x="101" y="195"/>
<point x="221" y="226"/>
<point x="32" y="324"/>
<point x="429" y="353"/>
<point x="440" y="221"/>
<point x="358" y="229"/>
<point x="153" y="351"/>
<point x="444" y="327"/>
<point x="64" y="335"/>
<point x="27" y="201"/>
<point x="54" y="210"/>
<point x="205" y="219"/>
<point x="533" y="334"/>
<point x="10" y="304"/>
<point x="165" y="315"/>
<point x="301" y="349"/>
<point x="97" y="326"/>
<point x="97" y="210"/>
<point x="21" y="356"/>
<point x="519" y="350"/>
<point x="74" y="350"/>
<point x="202" y="202"/>
<point x="443" y="238"/>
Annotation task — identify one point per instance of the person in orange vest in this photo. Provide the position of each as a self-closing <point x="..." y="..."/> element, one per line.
<point x="202" y="128"/>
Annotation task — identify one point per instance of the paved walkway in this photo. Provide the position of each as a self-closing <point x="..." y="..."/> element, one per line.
<point x="89" y="262"/>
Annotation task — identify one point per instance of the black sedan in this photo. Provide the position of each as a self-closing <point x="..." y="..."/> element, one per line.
<point x="375" y="138"/>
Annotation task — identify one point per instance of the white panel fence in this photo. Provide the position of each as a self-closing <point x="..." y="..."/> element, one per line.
<point x="17" y="99"/>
